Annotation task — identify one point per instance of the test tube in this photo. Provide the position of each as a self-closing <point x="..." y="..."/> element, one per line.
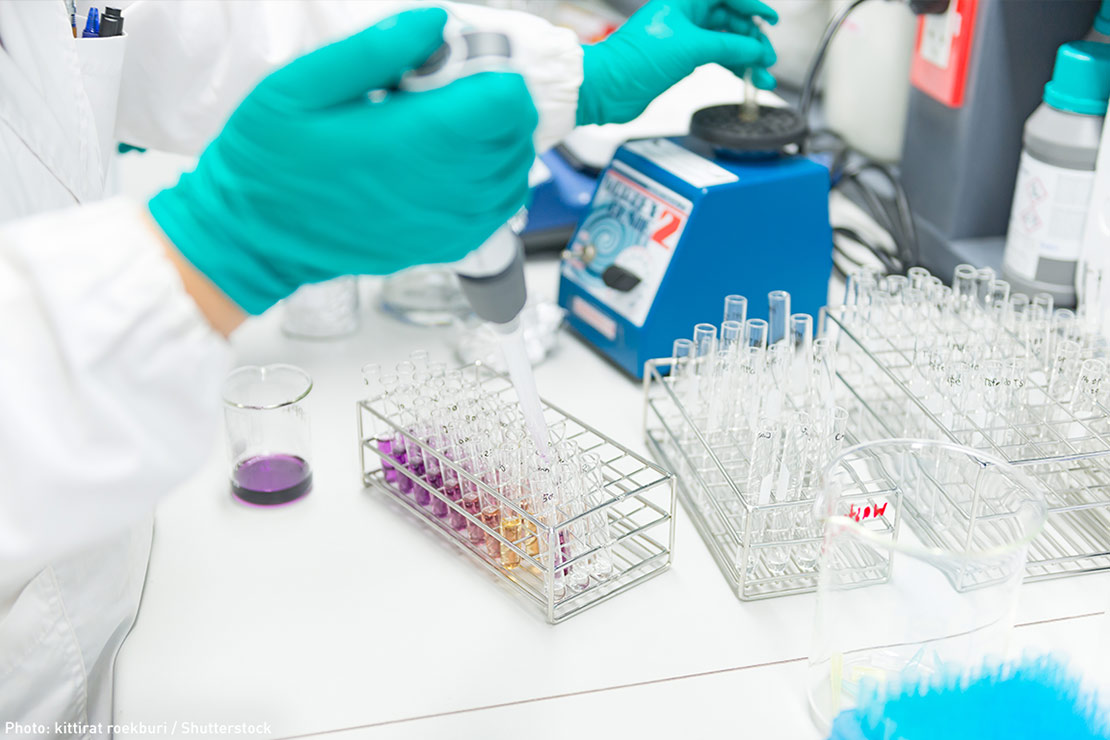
<point x="755" y="333"/>
<point x="964" y="287"/>
<point x="486" y="470"/>
<point x="778" y="317"/>
<point x="999" y="293"/>
<point x="1088" y="388"/>
<point x="749" y="109"/>
<point x="1019" y="304"/>
<point x="801" y="334"/>
<point x="378" y="392"/>
<point x="984" y="278"/>
<point x="919" y="277"/>
<point x="736" y="308"/>
<point x="732" y="334"/>
<point x="471" y="494"/>
<point x="417" y="457"/>
<point x="1062" y="377"/>
<point x="512" y="523"/>
<point x="681" y="357"/>
<point x="577" y="543"/>
<point x="762" y="460"/>
<point x="1043" y="302"/>
<point x="419" y="360"/>
<point x="546" y="495"/>
<point x="705" y="346"/>
<point x="601" y="535"/>
<point x="1065" y="325"/>
<point x="452" y="483"/>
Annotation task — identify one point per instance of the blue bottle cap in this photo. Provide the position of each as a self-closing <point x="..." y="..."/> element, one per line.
<point x="1102" y="20"/>
<point x="1081" y="78"/>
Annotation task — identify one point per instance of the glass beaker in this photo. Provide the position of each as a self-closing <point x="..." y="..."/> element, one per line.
<point x="322" y="310"/>
<point x="924" y="551"/>
<point x="267" y="433"/>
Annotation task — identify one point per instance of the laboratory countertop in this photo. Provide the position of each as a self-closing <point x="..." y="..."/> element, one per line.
<point x="343" y="615"/>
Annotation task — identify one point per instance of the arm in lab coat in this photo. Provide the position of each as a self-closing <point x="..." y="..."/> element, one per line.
<point x="190" y="62"/>
<point x="110" y="373"/>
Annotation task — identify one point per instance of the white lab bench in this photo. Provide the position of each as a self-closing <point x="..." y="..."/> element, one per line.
<point x="342" y="614"/>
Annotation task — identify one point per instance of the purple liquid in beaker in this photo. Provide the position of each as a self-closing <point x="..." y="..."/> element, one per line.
<point x="269" y="480"/>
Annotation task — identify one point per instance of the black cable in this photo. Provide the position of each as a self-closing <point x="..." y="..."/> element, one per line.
<point x="819" y="57"/>
<point x="909" y="228"/>
<point x="889" y="262"/>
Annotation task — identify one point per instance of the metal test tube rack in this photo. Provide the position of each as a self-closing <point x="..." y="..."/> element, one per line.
<point x="1068" y="450"/>
<point x="637" y="501"/>
<point x="734" y="525"/>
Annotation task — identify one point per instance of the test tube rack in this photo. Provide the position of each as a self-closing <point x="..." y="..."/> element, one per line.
<point x="923" y="360"/>
<point x="635" y="502"/>
<point x="740" y="530"/>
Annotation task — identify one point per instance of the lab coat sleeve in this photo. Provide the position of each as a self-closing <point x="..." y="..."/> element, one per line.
<point x="189" y="63"/>
<point x="109" y="378"/>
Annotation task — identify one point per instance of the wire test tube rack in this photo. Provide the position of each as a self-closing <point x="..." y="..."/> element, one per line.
<point x="1006" y="374"/>
<point x="745" y="414"/>
<point x="558" y="552"/>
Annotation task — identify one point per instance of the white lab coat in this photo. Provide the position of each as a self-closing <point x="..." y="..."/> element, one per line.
<point x="109" y="374"/>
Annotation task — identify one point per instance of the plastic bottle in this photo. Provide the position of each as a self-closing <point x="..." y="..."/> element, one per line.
<point x="1056" y="174"/>
<point x="1101" y="30"/>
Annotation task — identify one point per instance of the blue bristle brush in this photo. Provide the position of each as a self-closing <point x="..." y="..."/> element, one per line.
<point x="1033" y="699"/>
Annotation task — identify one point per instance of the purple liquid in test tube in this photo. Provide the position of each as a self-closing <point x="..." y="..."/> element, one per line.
<point x="435" y="482"/>
<point x="416" y="465"/>
<point x="385" y="446"/>
<point x="270" y="480"/>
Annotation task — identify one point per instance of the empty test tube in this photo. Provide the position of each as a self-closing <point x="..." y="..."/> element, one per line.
<point x="705" y="348"/>
<point x="1065" y="369"/>
<point x="736" y="308"/>
<point x="778" y="316"/>
<point x="984" y="277"/>
<point x="801" y="334"/>
<point x="755" y="333"/>
<point x="964" y="287"/>
<point x="919" y="277"/>
<point x="601" y="535"/>
<point x="1088" y="389"/>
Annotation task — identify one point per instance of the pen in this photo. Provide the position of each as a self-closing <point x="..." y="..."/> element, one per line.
<point x="71" y="6"/>
<point x="92" y="25"/>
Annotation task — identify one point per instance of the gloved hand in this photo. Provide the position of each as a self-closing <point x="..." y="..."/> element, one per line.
<point x="310" y="179"/>
<point x="665" y="41"/>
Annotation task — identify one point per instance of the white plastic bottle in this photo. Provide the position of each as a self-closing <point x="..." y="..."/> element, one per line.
<point x="1056" y="174"/>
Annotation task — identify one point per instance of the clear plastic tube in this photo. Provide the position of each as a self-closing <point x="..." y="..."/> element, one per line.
<point x="778" y="316"/>
<point x="964" y="287"/>
<point x="801" y="334"/>
<point x="1088" y="389"/>
<point x="681" y="358"/>
<point x="732" y="334"/>
<point x="736" y="308"/>
<point x="919" y="277"/>
<point x="705" y="346"/>
<point x="984" y="278"/>
<point x="755" y="333"/>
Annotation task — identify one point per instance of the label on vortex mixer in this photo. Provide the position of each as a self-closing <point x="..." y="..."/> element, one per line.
<point x="623" y="248"/>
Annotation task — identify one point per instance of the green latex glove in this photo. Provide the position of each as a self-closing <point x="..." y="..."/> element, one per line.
<point x="310" y="179"/>
<point x="662" y="43"/>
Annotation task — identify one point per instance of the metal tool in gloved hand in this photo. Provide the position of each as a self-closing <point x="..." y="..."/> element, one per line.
<point x="492" y="276"/>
